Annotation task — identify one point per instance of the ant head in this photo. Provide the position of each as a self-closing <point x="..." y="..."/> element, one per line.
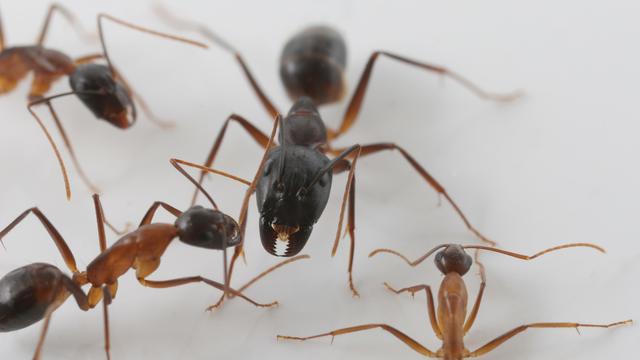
<point x="106" y="97"/>
<point x="453" y="258"/>
<point x="287" y="214"/>
<point x="207" y="228"/>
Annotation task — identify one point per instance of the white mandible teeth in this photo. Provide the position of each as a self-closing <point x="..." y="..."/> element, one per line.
<point x="280" y="248"/>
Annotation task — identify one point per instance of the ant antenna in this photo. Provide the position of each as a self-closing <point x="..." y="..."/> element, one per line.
<point x="176" y="164"/>
<point x="411" y="263"/>
<point x="527" y="257"/>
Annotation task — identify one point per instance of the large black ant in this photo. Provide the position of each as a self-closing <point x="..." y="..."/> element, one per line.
<point x="451" y="322"/>
<point x="33" y="292"/>
<point x="101" y="88"/>
<point x="294" y="188"/>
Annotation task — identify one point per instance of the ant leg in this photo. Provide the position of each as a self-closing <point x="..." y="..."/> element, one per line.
<point x="68" y="16"/>
<point x="508" y="335"/>
<point x="267" y="272"/>
<point x="350" y="194"/>
<point x="353" y="109"/>
<point x="1" y="35"/>
<point x="244" y="209"/>
<point x="217" y="40"/>
<point x="102" y="220"/>
<point x="374" y="148"/>
<point x="162" y="123"/>
<point x="148" y="216"/>
<point x="62" y="246"/>
<point x="43" y="335"/>
<point x="105" y="315"/>
<point x="476" y="306"/>
<point x="255" y="133"/>
<point x="397" y="333"/>
<point x="88" y="58"/>
<point x="430" y="304"/>
<point x="194" y="279"/>
<point x="67" y="143"/>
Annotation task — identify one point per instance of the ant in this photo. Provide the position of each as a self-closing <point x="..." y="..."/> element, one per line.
<point x="33" y="292"/>
<point x="293" y="190"/>
<point x="101" y="88"/>
<point x="450" y="323"/>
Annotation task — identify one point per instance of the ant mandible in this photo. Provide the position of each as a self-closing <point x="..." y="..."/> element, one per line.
<point x="450" y="323"/>
<point x="292" y="195"/>
<point x="46" y="287"/>
<point x="101" y="88"/>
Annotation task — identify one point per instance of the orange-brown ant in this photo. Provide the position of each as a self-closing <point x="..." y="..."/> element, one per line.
<point x="450" y="322"/>
<point x="33" y="292"/>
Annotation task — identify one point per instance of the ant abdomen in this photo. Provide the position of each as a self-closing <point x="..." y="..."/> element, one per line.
<point x="312" y="64"/>
<point x="105" y="96"/>
<point x="26" y="294"/>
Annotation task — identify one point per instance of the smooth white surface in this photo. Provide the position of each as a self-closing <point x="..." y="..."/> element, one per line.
<point x="559" y="165"/>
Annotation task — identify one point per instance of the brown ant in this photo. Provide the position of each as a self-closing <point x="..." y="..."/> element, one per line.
<point x="450" y="323"/>
<point x="294" y="189"/>
<point x="33" y="292"/>
<point x="101" y="88"/>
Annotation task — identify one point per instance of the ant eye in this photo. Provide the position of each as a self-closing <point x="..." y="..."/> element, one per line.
<point x="323" y="180"/>
<point x="267" y="168"/>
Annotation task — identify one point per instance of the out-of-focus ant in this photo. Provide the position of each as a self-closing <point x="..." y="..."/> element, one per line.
<point x="450" y="322"/>
<point x="101" y="88"/>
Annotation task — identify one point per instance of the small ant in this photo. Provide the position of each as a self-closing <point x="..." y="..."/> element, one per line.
<point x="450" y="323"/>
<point x="293" y="190"/>
<point x="101" y="88"/>
<point x="33" y="292"/>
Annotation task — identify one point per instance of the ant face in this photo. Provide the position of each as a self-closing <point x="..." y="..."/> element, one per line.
<point x="207" y="228"/>
<point x="106" y="97"/>
<point x="453" y="258"/>
<point x="288" y="214"/>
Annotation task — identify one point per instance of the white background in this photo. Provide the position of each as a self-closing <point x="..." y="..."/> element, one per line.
<point x="559" y="165"/>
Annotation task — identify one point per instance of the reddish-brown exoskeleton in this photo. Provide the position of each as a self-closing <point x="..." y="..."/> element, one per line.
<point x="450" y="321"/>
<point x="33" y="292"/>
<point x="101" y="88"/>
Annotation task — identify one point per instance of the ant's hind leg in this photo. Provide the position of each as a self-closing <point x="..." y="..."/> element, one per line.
<point x="43" y="335"/>
<point x="397" y="333"/>
<point x="508" y="335"/>
<point x="353" y="109"/>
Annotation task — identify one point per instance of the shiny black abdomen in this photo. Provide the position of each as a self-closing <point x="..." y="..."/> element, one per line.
<point x="26" y="293"/>
<point x="312" y="64"/>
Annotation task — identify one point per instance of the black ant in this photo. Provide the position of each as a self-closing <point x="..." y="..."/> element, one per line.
<point x="451" y="323"/>
<point x="293" y="190"/>
<point x="33" y="292"/>
<point x="101" y="88"/>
